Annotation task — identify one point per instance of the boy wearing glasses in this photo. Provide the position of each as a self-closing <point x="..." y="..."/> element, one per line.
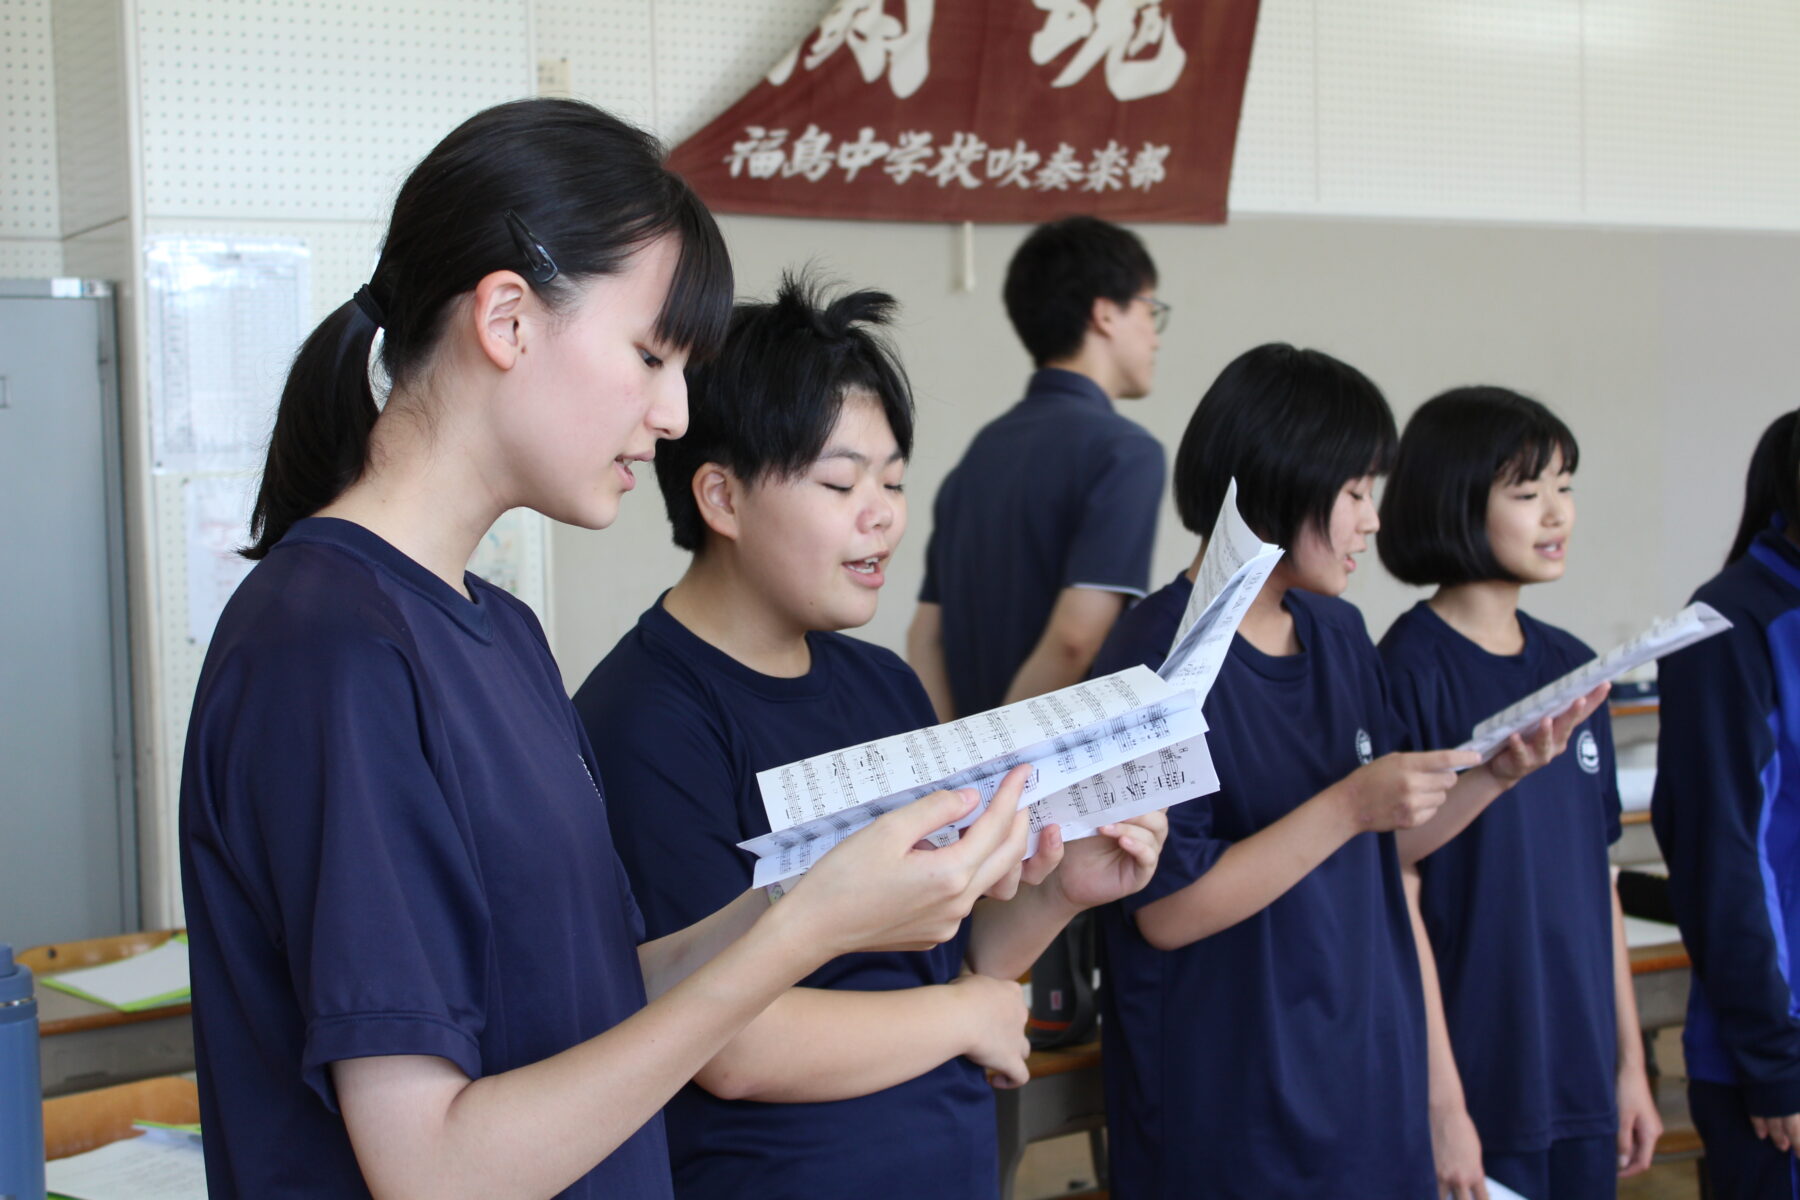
<point x="1045" y="528"/>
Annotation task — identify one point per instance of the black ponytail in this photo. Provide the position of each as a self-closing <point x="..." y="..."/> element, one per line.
<point x="590" y="189"/>
<point x="1772" y="485"/>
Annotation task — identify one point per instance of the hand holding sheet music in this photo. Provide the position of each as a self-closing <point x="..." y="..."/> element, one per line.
<point x="1694" y="623"/>
<point x="1065" y="736"/>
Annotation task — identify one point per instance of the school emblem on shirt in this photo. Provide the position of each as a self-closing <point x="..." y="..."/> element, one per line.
<point x="1587" y="752"/>
<point x="1365" y="747"/>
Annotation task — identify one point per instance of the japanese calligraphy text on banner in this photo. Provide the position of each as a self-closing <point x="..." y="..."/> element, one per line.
<point x="989" y="110"/>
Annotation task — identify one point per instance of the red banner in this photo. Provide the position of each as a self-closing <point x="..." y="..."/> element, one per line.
<point x="989" y="110"/>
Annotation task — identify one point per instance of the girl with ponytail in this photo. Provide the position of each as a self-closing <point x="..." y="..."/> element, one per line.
<point x="418" y="967"/>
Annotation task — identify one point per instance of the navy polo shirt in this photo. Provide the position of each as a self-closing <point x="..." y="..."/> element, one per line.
<point x="1282" y="1058"/>
<point x="391" y="843"/>
<point x="1060" y="491"/>
<point x="686" y="729"/>
<point x="1519" y="905"/>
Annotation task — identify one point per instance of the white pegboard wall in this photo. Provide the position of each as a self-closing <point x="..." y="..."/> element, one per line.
<point x="710" y="52"/>
<point x="27" y="122"/>
<point x="1450" y="108"/>
<point x="92" y="155"/>
<point x="312" y="109"/>
<point x="30" y="258"/>
<point x="1693" y="112"/>
<point x="608" y="46"/>
<point x="1275" y="168"/>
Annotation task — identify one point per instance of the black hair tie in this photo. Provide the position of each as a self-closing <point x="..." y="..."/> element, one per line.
<point x="365" y="300"/>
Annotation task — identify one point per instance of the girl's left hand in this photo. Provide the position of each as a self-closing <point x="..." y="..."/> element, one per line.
<point x="1639" y="1122"/>
<point x="1117" y="861"/>
<point x="1520" y="757"/>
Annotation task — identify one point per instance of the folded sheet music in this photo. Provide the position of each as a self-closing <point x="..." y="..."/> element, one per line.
<point x="1101" y="751"/>
<point x="1066" y="736"/>
<point x="1694" y="623"/>
<point x="1232" y="571"/>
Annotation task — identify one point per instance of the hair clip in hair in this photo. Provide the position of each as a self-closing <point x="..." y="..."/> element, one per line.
<point x="539" y="266"/>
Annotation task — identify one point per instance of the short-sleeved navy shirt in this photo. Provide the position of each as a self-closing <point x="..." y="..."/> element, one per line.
<point x="1060" y="491"/>
<point x="685" y="729"/>
<point x="390" y="844"/>
<point x="1282" y="1058"/>
<point x="1519" y="905"/>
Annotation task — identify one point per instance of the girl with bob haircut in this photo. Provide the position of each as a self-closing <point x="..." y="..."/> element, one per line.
<point x="788" y="489"/>
<point x="1265" y="1028"/>
<point x="1518" y="922"/>
<point x="418" y="969"/>
<point x="1725" y="812"/>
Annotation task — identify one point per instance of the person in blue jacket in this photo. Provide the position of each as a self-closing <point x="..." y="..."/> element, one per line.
<point x="1265" y="1035"/>
<point x="1537" y="1068"/>
<point x="1727" y="815"/>
<point x="868" y="1080"/>
<point x="417" y="966"/>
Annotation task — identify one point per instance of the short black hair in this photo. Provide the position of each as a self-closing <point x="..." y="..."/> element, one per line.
<point x="1455" y="449"/>
<point x="1292" y="427"/>
<point x="1772" y="484"/>
<point x="1058" y="272"/>
<point x="764" y="404"/>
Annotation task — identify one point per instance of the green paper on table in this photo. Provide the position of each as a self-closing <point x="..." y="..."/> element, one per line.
<point x="148" y="980"/>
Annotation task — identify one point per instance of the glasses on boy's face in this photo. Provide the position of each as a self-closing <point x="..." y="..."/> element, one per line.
<point x="1159" y="312"/>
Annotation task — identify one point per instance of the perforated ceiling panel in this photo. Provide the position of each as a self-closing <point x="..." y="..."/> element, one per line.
<point x="610" y="50"/>
<point x="27" y="122"/>
<point x="1276" y="167"/>
<point x="309" y="109"/>
<point x="1460" y="108"/>
<point x="93" y="159"/>
<point x="20" y="258"/>
<point x="1693" y="112"/>
<point x="710" y="52"/>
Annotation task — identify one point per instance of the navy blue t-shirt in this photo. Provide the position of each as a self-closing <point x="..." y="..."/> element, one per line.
<point x="1519" y="905"/>
<point x="1282" y="1058"/>
<point x="391" y="843"/>
<point x="1060" y="491"/>
<point x="685" y="728"/>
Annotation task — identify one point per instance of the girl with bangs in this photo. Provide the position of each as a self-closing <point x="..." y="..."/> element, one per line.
<point x="789" y="491"/>
<point x="1537" y="1070"/>
<point x="418" y="969"/>
<point x="1265" y="1026"/>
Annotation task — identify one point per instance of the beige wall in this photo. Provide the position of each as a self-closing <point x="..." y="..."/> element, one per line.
<point x="1667" y="353"/>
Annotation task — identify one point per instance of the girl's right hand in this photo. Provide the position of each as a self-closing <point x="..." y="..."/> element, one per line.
<point x="879" y="890"/>
<point x="1401" y="791"/>
<point x="993" y="1013"/>
<point x="1456" y="1149"/>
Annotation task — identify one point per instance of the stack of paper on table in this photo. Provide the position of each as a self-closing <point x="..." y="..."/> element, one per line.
<point x="164" y="1164"/>
<point x="148" y="980"/>
<point x="1101" y="751"/>
<point x="1695" y="623"/>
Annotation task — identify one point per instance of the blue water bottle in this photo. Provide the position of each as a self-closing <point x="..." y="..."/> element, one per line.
<point x="21" y="1095"/>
